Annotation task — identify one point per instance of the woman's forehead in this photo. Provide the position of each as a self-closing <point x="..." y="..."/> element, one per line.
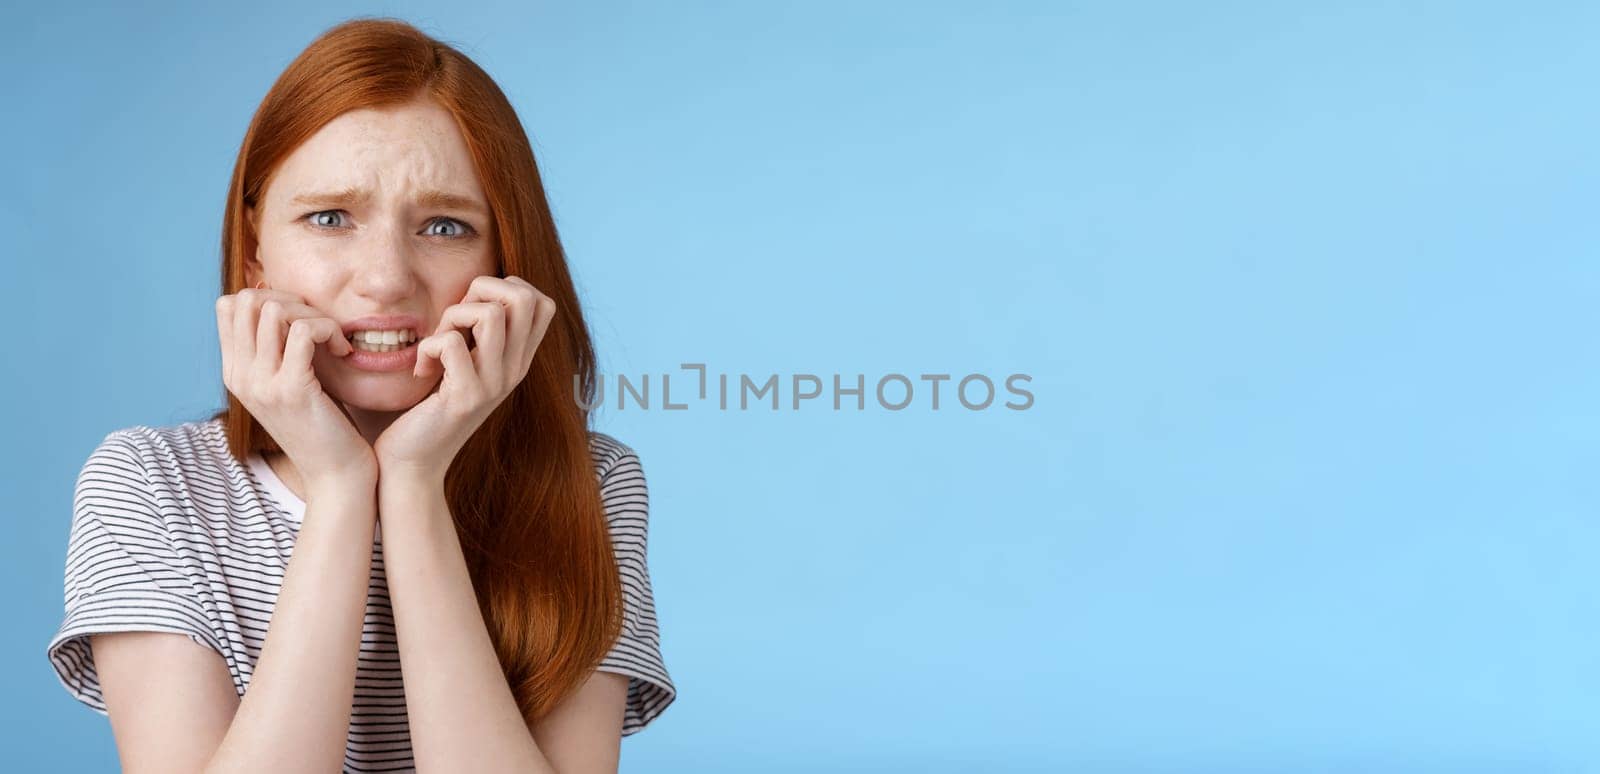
<point x="413" y="151"/>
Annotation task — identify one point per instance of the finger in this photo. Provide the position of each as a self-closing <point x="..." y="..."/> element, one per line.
<point x="225" y="334"/>
<point x="446" y="352"/>
<point x="518" y="297"/>
<point x="277" y="312"/>
<point x="269" y="336"/>
<point x="458" y="366"/>
<point x="487" y="321"/>
<point x="246" y="306"/>
<point x="337" y="343"/>
<point x="428" y="364"/>
<point x="544" y="312"/>
<point x="304" y="336"/>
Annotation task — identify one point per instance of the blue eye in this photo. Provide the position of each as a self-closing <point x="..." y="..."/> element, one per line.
<point x="317" y="220"/>
<point x="326" y="219"/>
<point x="459" y="229"/>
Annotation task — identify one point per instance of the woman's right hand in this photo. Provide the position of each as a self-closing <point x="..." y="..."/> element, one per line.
<point x="268" y="339"/>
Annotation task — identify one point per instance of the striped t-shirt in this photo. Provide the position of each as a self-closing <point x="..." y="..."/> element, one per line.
<point x="170" y="533"/>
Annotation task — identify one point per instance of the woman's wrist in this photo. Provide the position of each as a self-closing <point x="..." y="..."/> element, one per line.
<point x="354" y="484"/>
<point x="409" y="479"/>
<point x="408" y="495"/>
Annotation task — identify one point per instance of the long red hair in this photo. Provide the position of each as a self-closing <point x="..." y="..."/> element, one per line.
<point x="523" y="490"/>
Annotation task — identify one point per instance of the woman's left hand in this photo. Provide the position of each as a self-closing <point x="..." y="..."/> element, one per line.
<point x="508" y="318"/>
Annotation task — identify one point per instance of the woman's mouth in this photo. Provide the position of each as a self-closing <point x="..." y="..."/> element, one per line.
<point x="382" y="341"/>
<point x="390" y="350"/>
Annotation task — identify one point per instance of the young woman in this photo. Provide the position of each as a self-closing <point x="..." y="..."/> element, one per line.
<point x="399" y="546"/>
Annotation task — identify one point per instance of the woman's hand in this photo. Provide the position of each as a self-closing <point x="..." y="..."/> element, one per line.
<point x="508" y="318"/>
<point x="268" y="339"/>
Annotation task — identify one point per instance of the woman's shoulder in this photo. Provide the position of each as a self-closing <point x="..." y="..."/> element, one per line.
<point x="607" y="452"/>
<point x="197" y="438"/>
<point x="623" y="492"/>
<point x="167" y="455"/>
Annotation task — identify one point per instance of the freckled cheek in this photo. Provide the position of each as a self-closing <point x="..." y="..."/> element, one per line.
<point x="448" y="277"/>
<point x="293" y="253"/>
<point x="314" y="278"/>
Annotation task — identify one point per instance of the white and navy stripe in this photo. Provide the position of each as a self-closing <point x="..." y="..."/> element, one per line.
<point x="171" y="534"/>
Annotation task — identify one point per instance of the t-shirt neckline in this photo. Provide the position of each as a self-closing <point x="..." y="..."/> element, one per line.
<point x="294" y="506"/>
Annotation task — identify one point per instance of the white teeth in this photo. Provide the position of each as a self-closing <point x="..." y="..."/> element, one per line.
<point x="382" y="341"/>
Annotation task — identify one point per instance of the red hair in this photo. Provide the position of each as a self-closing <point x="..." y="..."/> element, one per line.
<point x="523" y="490"/>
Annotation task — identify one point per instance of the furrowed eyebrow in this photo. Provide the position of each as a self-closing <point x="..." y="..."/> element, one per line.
<point x="449" y="201"/>
<point x="344" y="198"/>
<point x="350" y="197"/>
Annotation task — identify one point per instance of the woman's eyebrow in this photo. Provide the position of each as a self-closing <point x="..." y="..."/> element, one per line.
<point x="350" y="197"/>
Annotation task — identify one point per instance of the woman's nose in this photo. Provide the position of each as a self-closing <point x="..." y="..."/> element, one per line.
<point x="383" y="267"/>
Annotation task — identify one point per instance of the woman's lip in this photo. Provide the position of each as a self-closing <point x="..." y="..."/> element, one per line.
<point x="398" y="360"/>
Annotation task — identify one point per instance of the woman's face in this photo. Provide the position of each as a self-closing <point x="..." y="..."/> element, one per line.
<point x="379" y="213"/>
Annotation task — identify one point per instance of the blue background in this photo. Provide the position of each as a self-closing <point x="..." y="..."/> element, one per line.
<point x="1307" y="295"/>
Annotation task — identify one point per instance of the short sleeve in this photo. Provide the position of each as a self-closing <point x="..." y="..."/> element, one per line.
<point x="123" y="570"/>
<point x="637" y="652"/>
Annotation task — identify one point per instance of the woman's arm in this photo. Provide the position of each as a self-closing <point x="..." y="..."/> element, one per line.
<point x="172" y="703"/>
<point x="295" y="716"/>
<point x="170" y="699"/>
<point x="463" y="715"/>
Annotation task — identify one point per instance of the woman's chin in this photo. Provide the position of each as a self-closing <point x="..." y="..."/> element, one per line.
<point x="398" y="395"/>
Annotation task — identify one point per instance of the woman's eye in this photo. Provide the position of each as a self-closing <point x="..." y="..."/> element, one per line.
<point x="441" y="226"/>
<point x="452" y="226"/>
<point x="323" y="218"/>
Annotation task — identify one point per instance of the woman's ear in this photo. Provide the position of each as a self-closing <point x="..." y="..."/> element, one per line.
<point x="252" y="262"/>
